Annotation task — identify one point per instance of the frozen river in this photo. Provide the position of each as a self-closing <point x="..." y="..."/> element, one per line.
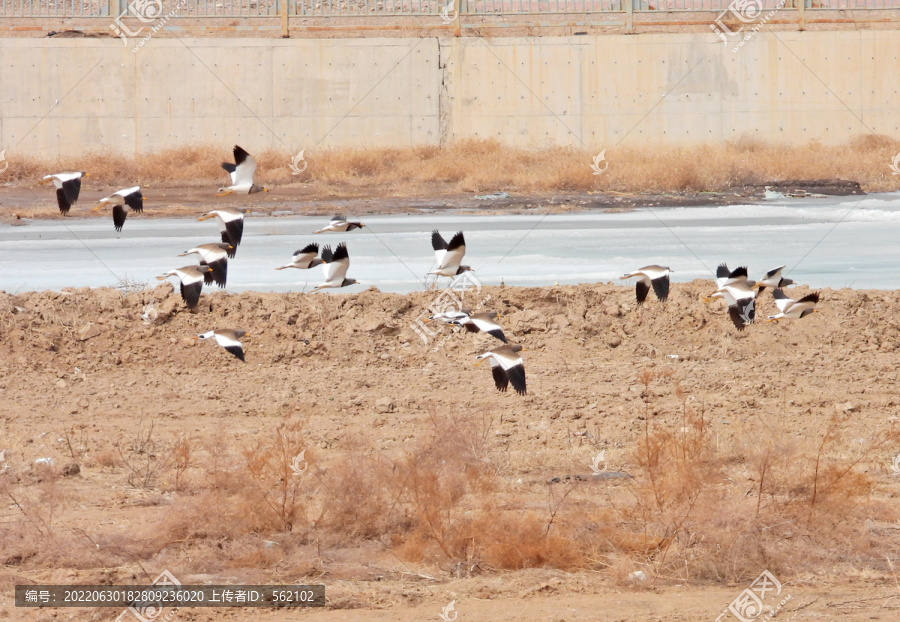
<point x="835" y="242"/>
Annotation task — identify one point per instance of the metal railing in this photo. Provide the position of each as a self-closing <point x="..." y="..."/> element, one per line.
<point x="148" y="10"/>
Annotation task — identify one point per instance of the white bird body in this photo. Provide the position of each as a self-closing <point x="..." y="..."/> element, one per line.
<point x="507" y="367"/>
<point x="191" y="281"/>
<point x="228" y="339"/>
<point x="740" y="296"/>
<point x="216" y="257"/>
<point x="231" y="225"/>
<point x="774" y="279"/>
<point x="130" y="197"/>
<point x="241" y="173"/>
<point x="340" y="224"/>
<point x="793" y="309"/>
<point x="656" y="277"/>
<point x="336" y="266"/>
<point x="68" y="187"/>
<point x="449" y="256"/>
<point x="484" y="322"/>
<point x="304" y="258"/>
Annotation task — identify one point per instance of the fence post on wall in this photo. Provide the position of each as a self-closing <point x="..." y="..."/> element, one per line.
<point x="457" y="6"/>
<point x="284" y="19"/>
<point x="802" y="13"/>
<point x="629" y="16"/>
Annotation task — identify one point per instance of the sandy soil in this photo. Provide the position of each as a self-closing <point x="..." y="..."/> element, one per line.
<point x="84" y="365"/>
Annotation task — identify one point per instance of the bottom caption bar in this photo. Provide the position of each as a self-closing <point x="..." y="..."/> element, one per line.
<point x="143" y="597"/>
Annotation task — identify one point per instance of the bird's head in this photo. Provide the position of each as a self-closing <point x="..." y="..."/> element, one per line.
<point x="350" y="282"/>
<point x="207" y="335"/>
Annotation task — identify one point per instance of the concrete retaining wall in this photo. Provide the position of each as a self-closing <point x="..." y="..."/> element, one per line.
<point x="59" y="95"/>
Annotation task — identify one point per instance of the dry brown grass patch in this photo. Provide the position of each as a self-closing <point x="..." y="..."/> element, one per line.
<point x="487" y="165"/>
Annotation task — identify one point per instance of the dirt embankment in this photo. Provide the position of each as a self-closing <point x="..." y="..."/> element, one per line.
<point x="161" y="425"/>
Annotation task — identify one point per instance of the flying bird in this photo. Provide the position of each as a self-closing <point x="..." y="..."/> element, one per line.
<point x="484" y="322"/>
<point x="130" y="197"/>
<point x="449" y="256"/>
<point x="304" y="258"/>
<point x="507" y="367"/>
<point x="340" y="224"/>
<point x="241" y="174"/>
<point x="68" y="186"/>
<point x="740" y="297"/>
<point x="216" y="257"/>
<point x="336" y="266"/>
<point x="793" y="309"/>
<point x="774" y="280"/>
<point x="191" y="278"/>
<point x="228" y="339"/>
<point x="231" y="225"/>
<point x="655" y="276"/>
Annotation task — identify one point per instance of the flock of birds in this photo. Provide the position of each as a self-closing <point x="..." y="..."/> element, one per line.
<point x="739" y="292"/>
<point x="733" y="286"/>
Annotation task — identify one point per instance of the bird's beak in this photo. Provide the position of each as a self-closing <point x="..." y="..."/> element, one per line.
<point x="160" y="278"/>
<point x="428" y="319"/>
<point x="222" y="193"/>
<point x="265" y="189"/>
<point x="86" y="175"/>
<point x="195" y="337"/>
<point x="98" y="207"/>
<point x="480" y="362"/>
<point x="204" y="217"/>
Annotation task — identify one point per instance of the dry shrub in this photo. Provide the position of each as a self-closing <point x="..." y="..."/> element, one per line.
<point x="692" y="511"/>
<point x="257" y="493"/>
<point x="704" y="514"/>
<point x="487" y="165"/>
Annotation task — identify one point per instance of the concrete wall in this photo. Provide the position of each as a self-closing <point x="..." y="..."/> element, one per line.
<point x="59" y="95"/>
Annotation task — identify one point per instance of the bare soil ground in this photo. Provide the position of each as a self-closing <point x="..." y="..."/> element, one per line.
<point x="766" y="449"/>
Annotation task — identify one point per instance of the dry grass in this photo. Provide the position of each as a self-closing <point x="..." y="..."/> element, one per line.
<point x="693" y="510"/>
<point x="485" y="166"/>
